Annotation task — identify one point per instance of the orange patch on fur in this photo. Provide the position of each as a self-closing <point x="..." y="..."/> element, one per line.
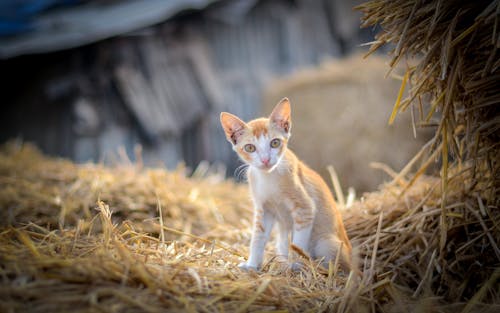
<point x="259" y="127"/>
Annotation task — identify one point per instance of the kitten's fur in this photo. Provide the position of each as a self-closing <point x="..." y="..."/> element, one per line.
<point x="284" y="190"/>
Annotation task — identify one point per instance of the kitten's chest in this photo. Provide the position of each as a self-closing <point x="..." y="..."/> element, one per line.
<point x="265" y="188"/>
<point x="271" y="191"/>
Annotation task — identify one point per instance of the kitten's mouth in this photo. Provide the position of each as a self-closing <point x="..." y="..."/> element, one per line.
<point x="267" y="167"/>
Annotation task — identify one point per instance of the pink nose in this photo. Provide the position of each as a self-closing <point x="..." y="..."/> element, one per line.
<point x="265" y="161"/>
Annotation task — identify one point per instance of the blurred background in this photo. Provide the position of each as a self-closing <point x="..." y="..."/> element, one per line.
<point x="96" y="80"/>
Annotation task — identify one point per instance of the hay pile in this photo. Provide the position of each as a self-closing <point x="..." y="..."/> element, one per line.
<point x="456" y="45"/>
<point x="86" y="238"/>
<point x="453" y="88"/>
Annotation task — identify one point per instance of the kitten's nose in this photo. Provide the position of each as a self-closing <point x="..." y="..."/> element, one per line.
<point x="265" y="161"/>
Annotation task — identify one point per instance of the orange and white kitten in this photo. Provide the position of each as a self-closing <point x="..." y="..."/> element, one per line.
<point x="286" y="192"/>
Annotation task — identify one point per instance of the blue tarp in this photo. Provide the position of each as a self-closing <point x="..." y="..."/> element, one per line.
<point x="18" y="16"/>
<point x="41" y="26"/>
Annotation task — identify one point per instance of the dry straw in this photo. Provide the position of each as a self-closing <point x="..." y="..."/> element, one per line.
<point x="90" y="238"/>
<point x="87" y="238"/>
<point x="454" y="46"/>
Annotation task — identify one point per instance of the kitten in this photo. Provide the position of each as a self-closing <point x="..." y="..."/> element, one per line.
<point x="284" y="190"/>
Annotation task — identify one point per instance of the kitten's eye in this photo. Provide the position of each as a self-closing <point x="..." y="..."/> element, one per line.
<point x="249" y="148"/>
<point x="275" y="143"/>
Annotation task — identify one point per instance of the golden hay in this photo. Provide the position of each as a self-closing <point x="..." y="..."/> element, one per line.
<point x="456" y="44"/>
<point x="85" y="238"/>
<point x="454" y="88"/>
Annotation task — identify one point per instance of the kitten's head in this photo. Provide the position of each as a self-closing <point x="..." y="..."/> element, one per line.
<point x="261" y="142"/>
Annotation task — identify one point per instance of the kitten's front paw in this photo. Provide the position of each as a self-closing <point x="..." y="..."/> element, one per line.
<point x="244" y="266"/>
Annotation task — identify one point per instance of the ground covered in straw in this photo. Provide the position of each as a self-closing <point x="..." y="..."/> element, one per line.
<point x="89" y="238"/>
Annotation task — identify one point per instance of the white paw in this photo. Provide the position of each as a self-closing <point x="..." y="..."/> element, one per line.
<point x="244" y="266"/>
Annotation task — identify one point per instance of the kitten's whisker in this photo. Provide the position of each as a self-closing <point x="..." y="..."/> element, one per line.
<point x="240" y="172"/>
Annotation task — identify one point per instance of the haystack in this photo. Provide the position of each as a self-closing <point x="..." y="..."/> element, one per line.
<point x="457" y="74"/>
<point x="454" y="89"/>
<point x="87" y="238"/>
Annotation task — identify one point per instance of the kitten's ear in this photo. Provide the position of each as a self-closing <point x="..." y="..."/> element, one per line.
<point x="281" y="115"/>
<point x="233" y="126"/>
